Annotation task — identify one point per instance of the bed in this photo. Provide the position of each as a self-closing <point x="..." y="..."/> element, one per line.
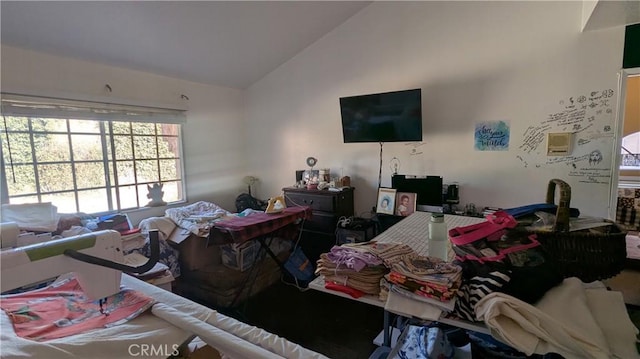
<point x="232" y="338"/>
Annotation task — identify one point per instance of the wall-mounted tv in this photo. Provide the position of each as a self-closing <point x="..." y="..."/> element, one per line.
<point x="382" y="117"/>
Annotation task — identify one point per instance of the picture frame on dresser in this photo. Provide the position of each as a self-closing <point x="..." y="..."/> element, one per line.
<point x="405" y="203"/>
<point x="386" y="200"/>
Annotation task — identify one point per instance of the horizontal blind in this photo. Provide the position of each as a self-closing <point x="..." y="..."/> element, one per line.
<point x="48" y="107"/>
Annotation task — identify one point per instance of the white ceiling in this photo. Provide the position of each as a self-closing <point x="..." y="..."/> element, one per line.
<point x="225" y="43"/>
<point x="611" y="13"/>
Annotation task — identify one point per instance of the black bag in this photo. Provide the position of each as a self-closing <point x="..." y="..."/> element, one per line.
<point x="246" y="200"/>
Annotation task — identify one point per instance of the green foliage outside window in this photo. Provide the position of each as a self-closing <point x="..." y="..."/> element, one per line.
<point x="44" y="155"/>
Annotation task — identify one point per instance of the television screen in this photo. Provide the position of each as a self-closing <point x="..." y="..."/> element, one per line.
<point x="382" y="117"/>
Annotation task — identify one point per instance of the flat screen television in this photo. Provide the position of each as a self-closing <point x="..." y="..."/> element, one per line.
<point x="382" y="117"/>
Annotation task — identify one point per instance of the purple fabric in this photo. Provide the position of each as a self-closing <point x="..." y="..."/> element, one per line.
<point x="352" y="259"/>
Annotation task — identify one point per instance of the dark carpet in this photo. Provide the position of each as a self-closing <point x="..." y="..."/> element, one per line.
<point x="334" y="326"/>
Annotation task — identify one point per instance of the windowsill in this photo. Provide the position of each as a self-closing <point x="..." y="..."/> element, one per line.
<point x="138" y="214"/>
<point x="628" y="184"/>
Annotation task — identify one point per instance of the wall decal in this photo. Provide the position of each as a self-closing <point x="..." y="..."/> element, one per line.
<point x="492" y="136"/>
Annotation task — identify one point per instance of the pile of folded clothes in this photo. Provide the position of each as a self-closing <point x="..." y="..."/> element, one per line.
<point x="360" y="266"/>
<point x="360" y="270"/>
<point x="423" y="277"/>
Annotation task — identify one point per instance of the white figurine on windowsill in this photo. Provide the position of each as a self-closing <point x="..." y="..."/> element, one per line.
<point x="155" y="194"/>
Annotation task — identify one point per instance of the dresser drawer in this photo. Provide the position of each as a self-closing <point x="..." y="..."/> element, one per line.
<point x="327" y="207"/>
<point x="316" y="202"/>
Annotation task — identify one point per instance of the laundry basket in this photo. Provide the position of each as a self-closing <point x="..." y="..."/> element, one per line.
<point x="589" y="254"/>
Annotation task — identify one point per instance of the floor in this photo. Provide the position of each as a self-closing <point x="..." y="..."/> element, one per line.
<point x="627" y="281"/>
<point x="334" y="326"/>
<point x="342" y="328"/>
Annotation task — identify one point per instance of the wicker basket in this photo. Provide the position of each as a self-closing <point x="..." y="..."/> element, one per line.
<point x="590" y="254"/>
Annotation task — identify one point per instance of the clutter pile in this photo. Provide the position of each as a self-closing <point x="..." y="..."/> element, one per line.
<point x="358" y="269"/>
<point x="426" y="277"/>
<point x="360" y="266"/>
<point x="528" y="275"/>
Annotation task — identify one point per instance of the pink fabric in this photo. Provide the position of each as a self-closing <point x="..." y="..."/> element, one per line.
<point x="491" y="229"/>
<point x="61" y="310"/>
<point x="243" y="229"/>
<point x="344" y="289"/>
<point x="351" y="258"/>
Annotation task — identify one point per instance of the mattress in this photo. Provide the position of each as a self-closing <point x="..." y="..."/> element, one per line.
<point x="148" y="329"/>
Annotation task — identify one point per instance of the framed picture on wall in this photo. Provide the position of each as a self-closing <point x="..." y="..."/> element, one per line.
<point x="405" y="203"/>
<point x="386" y="200"/>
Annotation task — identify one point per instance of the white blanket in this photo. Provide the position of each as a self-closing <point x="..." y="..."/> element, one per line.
<point x="157" y="335"/>
<point x="164" y="225"/>
<point x="569" y="320"/>
<point x="197" y="217"/>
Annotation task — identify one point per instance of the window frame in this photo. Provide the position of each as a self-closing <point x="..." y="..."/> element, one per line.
<point x="109" y="159"/>
<point x="630" y="173"/>
<point x="629" y="121"/>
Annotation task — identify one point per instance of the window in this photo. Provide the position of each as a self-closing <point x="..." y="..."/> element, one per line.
<point x="630" y="149"/>
<point x="630" y="152"/>
<point x="89" y="165"/>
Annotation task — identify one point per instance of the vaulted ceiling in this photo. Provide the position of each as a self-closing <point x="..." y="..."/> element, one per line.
<point x="225" y="43"/>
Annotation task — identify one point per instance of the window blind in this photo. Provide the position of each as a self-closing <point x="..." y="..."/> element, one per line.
<point x="48" y="107"/>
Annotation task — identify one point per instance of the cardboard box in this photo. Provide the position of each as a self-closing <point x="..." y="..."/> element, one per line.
<point x="240" y="256"/>
<point x="164" y="282"/>
<point x="194" y="252"/>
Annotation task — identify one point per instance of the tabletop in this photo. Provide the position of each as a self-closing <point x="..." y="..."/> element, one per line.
<point x="413" y="231"/>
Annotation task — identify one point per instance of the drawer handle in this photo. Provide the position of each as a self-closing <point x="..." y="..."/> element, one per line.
<point x="310" y="201"/>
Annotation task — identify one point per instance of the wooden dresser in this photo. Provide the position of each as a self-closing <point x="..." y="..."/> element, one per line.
<point x="328" y="206"/>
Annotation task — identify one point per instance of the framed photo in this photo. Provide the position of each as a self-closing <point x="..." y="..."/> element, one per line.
<point x="386" y="200"/>
<point x="311" y="176"/>
<point x="405" y="203"/>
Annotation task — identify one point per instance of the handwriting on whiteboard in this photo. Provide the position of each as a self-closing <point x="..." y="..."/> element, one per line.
<point x="588" y="116"/>
<point x="566" y="118"/>
<point x="533" y="137"/>
<point x="601" y="176"/>
<point x="416" y="148"/>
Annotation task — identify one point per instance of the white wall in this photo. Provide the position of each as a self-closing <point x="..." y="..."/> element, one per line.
<point x="475" y="61"/>
<point x="213" y="149"/>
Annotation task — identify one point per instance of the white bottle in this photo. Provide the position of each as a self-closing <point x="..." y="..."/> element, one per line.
<point x="438" y="237"/>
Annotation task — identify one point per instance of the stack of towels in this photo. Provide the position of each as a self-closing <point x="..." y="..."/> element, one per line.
<point x="352" y="268"/>
<point x="360" y="266"/>
<point x="426" y="279"/>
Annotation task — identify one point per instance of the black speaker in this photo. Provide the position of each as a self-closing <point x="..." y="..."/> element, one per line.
<point x="299" y="174"/>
